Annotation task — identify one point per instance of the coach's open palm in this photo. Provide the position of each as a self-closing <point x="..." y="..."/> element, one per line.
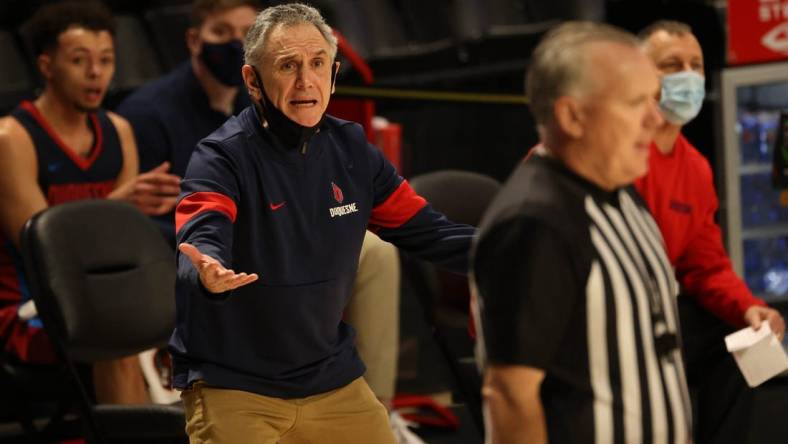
<point x="214" y="277"/>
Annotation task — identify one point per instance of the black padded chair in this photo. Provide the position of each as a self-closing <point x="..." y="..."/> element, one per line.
<point x="462" y="196"/>
<point x="103" y="281"/>
<point x="345" y="16"/>
<point x="501" y="35"/>
<point x="503" y="32"/>
<point x="406" y="40"/>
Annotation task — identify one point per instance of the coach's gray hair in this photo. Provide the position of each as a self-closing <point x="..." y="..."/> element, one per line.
<point x="286" y="15"/>
<point x="558" y="63"/>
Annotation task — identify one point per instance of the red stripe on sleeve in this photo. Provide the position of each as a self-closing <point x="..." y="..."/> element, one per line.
<point x="195" y="204"/>
<point x="398" y="208"/>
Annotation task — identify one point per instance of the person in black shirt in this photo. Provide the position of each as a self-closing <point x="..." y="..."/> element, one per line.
<point x="171" y="114"/>
<point x="572" y="287"/>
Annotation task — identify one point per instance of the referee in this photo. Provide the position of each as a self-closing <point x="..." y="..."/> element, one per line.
<point x="575" y="295"/>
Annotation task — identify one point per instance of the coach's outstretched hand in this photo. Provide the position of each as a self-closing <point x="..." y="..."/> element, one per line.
<point x="214" y="277"/>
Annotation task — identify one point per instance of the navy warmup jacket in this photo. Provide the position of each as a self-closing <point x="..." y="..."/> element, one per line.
<point x="297" y="218"/>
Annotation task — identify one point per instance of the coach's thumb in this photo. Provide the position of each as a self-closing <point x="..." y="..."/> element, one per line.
<point x="191" y="252"/>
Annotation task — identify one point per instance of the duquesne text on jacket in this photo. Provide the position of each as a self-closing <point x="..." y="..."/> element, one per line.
<point x="343" y="210"/>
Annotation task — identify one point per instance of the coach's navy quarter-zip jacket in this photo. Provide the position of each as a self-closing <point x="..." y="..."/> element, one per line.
<point x="296" y="217"/>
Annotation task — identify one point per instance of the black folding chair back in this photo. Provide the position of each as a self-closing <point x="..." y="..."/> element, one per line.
<point x="462" y="196"/>
<point x="103" y="280"/>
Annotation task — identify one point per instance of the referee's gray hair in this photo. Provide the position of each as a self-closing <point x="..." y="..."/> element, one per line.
<point x="290" y="14"/>
<point x="558" y="65"/>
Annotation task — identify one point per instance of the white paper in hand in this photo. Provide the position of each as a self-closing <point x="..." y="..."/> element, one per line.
<point x="758" y="353"/>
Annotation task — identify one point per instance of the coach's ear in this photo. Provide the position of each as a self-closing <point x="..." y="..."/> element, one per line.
<point x="334" y="73"/>
<point x="253" y="82"/>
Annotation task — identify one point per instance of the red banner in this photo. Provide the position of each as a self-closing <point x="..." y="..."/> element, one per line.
<point x="757" y="31"/>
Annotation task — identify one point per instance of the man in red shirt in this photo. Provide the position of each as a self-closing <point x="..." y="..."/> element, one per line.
<point x="679" y="191"/>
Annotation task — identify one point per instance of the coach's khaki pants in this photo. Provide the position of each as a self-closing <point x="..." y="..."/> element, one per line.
<point x="350" y="414"/>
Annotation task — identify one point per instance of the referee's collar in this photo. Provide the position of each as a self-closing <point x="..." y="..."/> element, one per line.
<point x="592" y="188"/>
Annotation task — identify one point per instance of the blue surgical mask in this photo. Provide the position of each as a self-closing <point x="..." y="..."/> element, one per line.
<point x="224" y="61"/>
<point x="682" y="96"/>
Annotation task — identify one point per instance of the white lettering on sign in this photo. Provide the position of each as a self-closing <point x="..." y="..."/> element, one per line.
<point x="772" y="10"/>
<point x="343" y="210"/>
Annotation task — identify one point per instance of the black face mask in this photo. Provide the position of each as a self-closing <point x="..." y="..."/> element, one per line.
<point x="224" y="61"/>
<point x="290" y="133"/>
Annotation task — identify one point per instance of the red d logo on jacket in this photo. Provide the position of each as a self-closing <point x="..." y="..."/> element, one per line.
<point x="338" y="196"/>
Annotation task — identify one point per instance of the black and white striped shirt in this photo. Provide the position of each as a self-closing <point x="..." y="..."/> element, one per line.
<point x="575" y="281"/>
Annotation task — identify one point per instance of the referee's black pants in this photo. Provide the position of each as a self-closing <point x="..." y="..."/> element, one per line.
<point x="722" y="401"/>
